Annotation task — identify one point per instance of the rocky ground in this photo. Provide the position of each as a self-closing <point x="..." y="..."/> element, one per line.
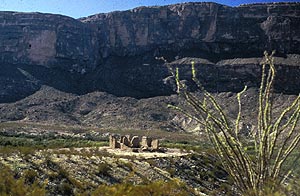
<point x="105" y="111"/>
<point x="86" y="168"/>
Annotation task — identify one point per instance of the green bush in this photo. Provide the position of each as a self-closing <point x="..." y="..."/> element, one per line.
<point x="9" y="185"/>
<point x="65" y="188"/>
<point x="103" y="169"/>
<point x="158" y="188"/>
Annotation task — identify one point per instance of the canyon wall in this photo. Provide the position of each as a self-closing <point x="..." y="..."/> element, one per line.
<point x="115" y="52"/>
<point x="207" y="29"/>
<point x="48" y="40"/>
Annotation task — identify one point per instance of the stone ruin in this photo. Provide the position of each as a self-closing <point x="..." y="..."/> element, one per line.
<point x="134" y="143"/>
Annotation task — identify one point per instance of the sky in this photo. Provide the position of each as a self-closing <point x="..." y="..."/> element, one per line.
<point x="82" y="8"/>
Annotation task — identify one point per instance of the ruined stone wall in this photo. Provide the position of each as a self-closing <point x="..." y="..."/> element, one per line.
<point x="134" y="143"/>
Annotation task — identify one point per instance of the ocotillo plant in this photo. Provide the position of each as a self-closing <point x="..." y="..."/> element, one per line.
<point x="274" y="140"/>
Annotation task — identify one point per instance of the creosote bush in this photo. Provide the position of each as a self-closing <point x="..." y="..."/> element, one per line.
<point x="27" y="185"/>
<point x="157" y="188"/>
<point x="264" y="169"/>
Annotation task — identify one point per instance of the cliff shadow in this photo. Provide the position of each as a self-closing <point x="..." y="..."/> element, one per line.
<point x="21" y="80"/>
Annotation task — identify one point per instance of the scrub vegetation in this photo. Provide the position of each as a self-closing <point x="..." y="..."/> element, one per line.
<point x="262" y="164"/>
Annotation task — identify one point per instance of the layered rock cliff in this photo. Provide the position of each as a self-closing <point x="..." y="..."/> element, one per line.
<point x="48" y="40"/>
<point x="115" y="52"/>
<point x="130" y="41"/>
<point x="207" y="29"/>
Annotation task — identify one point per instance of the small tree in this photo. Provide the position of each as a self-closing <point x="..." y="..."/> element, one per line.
<point x="274" y="140"/>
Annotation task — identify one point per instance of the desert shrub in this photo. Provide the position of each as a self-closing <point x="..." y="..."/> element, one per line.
<point x="30" y="176"/>
<point x="103" y="169"/>
<point x="158" y="188"/>
<point x="65" y="188"/>
<point x="171" y="171"/>
<point x="9" y="185"/>
<point x="126" y="165"/>
<point x="263" y="169"/>
<point x="196" y="147"/>
<point x="27" y="144"/>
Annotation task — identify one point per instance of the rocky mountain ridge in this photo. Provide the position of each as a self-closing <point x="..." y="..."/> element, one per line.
<point x="210" y="29"/>
<point x="115" y="52"/>
<point x="102" y="69"/>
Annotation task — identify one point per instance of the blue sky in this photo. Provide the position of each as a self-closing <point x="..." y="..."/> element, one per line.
<point x="81" y="8"/>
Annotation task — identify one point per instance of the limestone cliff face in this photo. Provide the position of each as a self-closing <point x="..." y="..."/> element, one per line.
<point x="211" y="29"/>
<point x="43" y="49"/>
<point x="48" y="40"/>
<point x="115" y="52"/>
<point x="130" y="41"/>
